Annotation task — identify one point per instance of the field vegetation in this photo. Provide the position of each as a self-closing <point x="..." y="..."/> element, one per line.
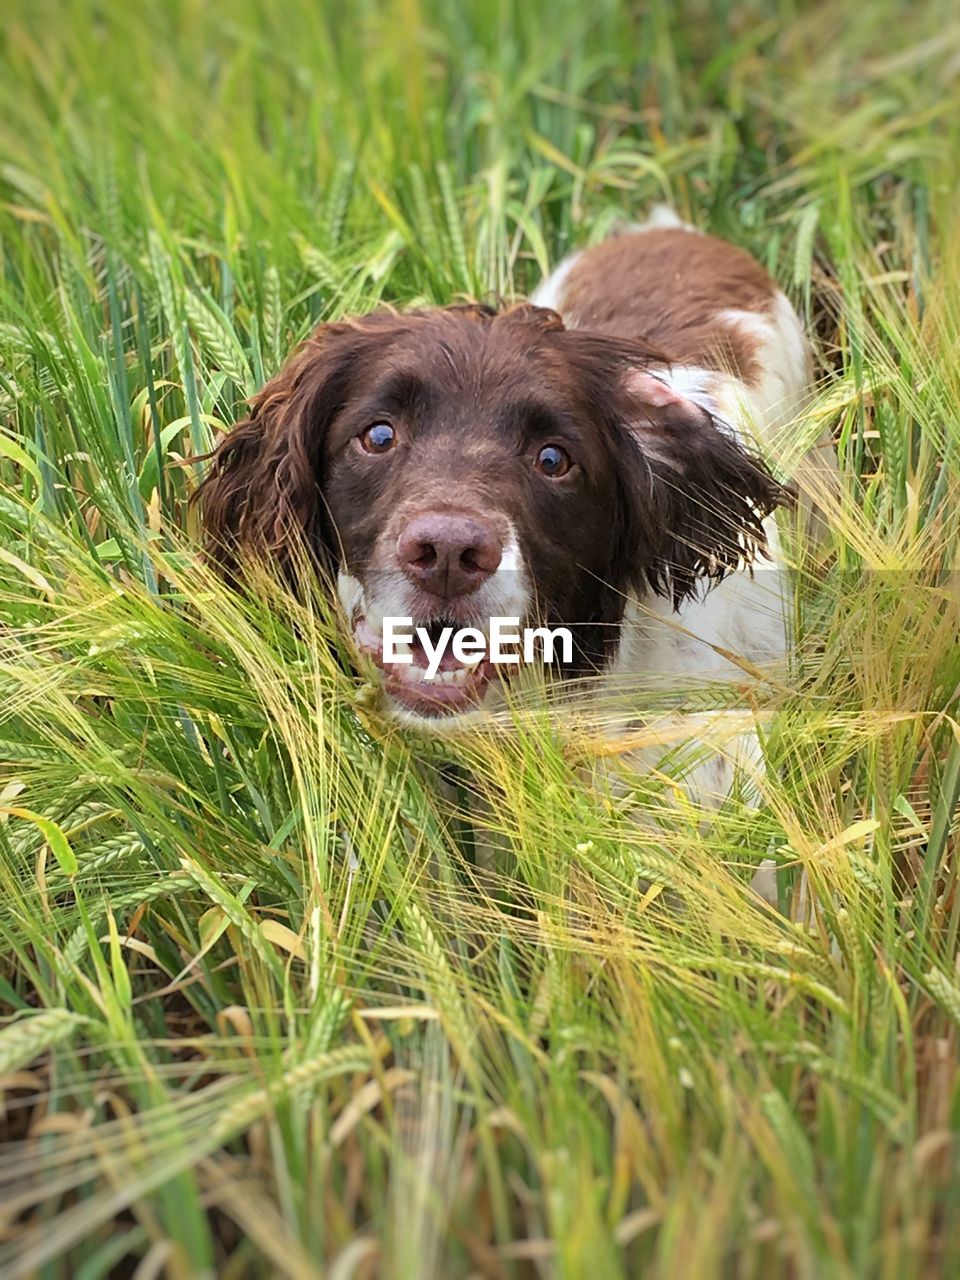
<point x="268" y="1004"/>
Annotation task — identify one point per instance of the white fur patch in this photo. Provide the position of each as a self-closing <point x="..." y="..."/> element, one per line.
<point x="744" y="614"/>
<point x="784" y="362"/>
<point x="506" y="593"/>
<point x="511" y="559"/>
<point x="661" y="217"/>
<point x="549" y="292"/>
<point x="350" y="592"/>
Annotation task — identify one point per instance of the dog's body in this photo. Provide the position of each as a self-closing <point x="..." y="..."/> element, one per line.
<point x="588" y="459"/>
<point x="737" y="348"/>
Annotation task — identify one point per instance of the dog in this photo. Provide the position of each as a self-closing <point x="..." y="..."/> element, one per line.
<point x="591" y="458"/>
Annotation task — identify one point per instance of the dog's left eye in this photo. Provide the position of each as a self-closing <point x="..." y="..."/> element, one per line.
<point x="379" y="438"/>
<point x="553" y="462"/>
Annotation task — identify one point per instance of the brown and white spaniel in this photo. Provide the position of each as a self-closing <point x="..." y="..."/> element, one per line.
<point x="590" y="458"/>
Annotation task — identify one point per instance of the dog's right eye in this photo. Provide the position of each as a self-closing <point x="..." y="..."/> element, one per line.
<point x="380" y="438"/>
<point x="553" y="462"/>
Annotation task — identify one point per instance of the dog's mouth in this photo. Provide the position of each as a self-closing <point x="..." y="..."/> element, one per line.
<point x="452" y="688"/>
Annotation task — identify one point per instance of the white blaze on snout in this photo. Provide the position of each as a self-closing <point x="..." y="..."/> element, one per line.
<point x="506" y="593"/>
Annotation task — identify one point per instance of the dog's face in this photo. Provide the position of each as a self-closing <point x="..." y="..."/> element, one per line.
<point x="455" y="465"/>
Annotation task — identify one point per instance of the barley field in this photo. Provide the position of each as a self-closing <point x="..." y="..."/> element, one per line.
<point x="269" y="1005"/>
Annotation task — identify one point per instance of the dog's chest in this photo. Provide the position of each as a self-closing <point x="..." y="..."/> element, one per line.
<point x="745" y="616"/>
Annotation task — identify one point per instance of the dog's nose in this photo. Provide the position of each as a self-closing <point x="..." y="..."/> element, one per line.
<point x="448" y="554"/>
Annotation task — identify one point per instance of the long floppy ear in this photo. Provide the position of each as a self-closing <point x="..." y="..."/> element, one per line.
<point x="262" y="495"/>
<point x="710" y="493"/>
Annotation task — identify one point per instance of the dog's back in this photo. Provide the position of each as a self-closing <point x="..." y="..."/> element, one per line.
<point x="734" y="342"/>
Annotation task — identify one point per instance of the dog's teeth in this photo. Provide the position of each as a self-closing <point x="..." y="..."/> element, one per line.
<point x="455" y="675"/>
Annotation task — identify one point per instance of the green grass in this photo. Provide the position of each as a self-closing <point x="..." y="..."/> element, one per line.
<point x="267" y="1007"/>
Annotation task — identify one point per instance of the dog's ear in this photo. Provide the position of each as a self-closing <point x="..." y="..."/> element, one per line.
<point x="708" y="494"/>
<point x="262" y="496"/>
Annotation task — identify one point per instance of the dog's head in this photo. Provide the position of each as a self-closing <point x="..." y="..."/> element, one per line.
<point x="458" y="464"/>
